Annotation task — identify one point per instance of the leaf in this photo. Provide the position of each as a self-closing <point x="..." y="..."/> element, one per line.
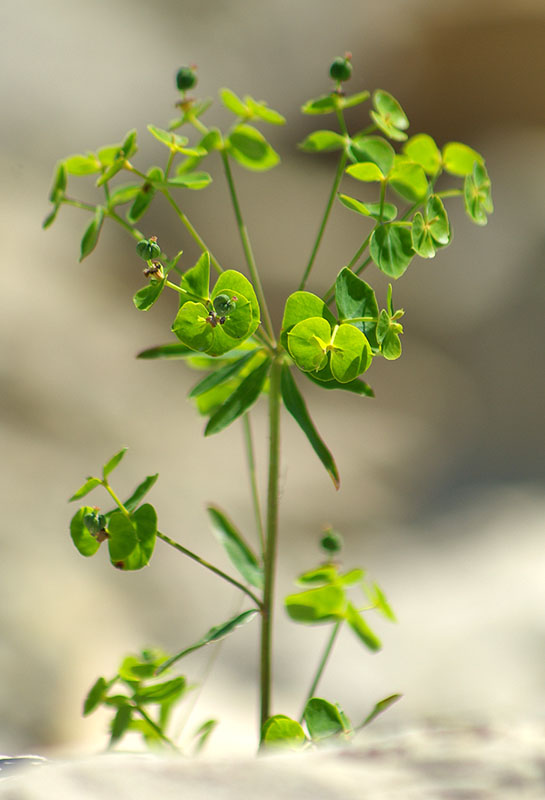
<point x="138" y="668"/>
<point x="422" y="149"/>
<point x="322" y="719"/>
<point x="323" y="141"/>
<point x="374" y="149"/>
<point x="244" y="396"/>
<point x="122" y="539"/>
<point x="352" y="100"/>
<point x="221" y="375"/>
<point x="389" y="116"/>
<point x="196" y="280"/>
<point x="261" y="109"/>
<point x="90" y="237"/>
<point x="301" y="306"/>
<point x="378" y="599"/>
<point x="145" y="521"/>
<point x="357" y="386"/>
<point x="148" y="295"/>
<point x="52" y="216"/>
<point x="232" y="281"/>
<point x="391" y="248"/>
<point x="308" y="343"/>
<point x="458" y="158"/>
<point x="140" y="492"/>
<point x="355" y="298"/>
<point x="421" y="237"/>
<point x="129" y="146"/>
<point x="213" y="635"/>
<point x="327" y="573"/>
<point x="324" y="604"/>
<point x="365" y="171"/>
<point x="203" y="733"/>
<point x="58" y="186"/>
<point x="88" y="486"/>
<point x="477" y="196"/>
<point x="82" y="165"/>
<point x="171" y="350"/>
<point x="164" y="692"/>
<point x="240" y="553"/>
<point x="379" y="707"/>
<point x="321" y="105"/>
<point x="361" y="628"/>
<point x="112" y="463"/>
<point x="250" y="148"/>
<point x="233" y="103"/>
<point x="189" y="180"/>
<point x="120" y="722"/>
<point x="438" y="220"/>
<point x="191" y="327"/>
<point x="351" y="353"/>
<point x="123" y="194"/>
<point x="385" y="212"/>
<point x="95" y="696"/>
<point x="141" y="202"/>
<point x="281" y="731"/>
<point x="408" y="179"/>
<point x="83" y="540"/>
<point x="296" y="406"/>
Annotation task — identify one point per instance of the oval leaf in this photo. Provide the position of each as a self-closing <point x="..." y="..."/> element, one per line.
<point x="250" y="148"/>
<point x="281" y="731"/>
<point x="391" y="248"/>
<point x="322" y="719"/>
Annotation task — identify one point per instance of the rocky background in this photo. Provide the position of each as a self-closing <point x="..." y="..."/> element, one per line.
<point x="442" y="475"/>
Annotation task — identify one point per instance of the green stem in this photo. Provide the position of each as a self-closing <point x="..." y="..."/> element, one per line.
<point x="321" y="665"/>
<point x="134" y="232"/>
<point x="156" y="728"/>
<point x="209" y="566"/>
<point x="328" y="296"/>
<point x="338" y="176"/>
<point x="116" y="499"/>
<point x="271" y="540"/>
<point x="250" y="458"/>
<point x="246" y="246"/>
<point x="192" y="232"/>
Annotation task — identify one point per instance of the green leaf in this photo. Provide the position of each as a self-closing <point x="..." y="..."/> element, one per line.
<point x="141" y="203"/>
<point x="301" y="306"/>
<point x="325" y="604"/>
<point x="196" y="280"/>
<point x="213" y="635"/>
<point x="148" y="295"/>
<point x="389" y="117"/>
<point x="123" y="194"/>
<point x="191" y="327"/>
<point x="365" y="171"/>
<point x="361" y="628"/>
<point x="240" y="554"/>
<point x="189" y="180"/>
<point x="322" y="719"/>
<point x="111" y="171"/>
<point x="282" y="731"/>
<point x="233" y="282"/>
<point x="323" y="141"/>
<point x="171" y="140"/>
<point x="352" y="100"/>
<point x="123" y="539"/>
<point x="88" y="486"/>
<point x="325" y="104"/>
<point x="374" y="149"/>
<point x="296" y="406"/>
<point x="203" y="733"/>
<point x="233" y="103"/>
<point x="381" y="706"/>
<point x="438" y="220"/>
<point x="477" y="196"/>
<point x="140" y="492"/>
<point x="458" y="158"/>
<point x="112" y="463"/>
<point x="221" y="375"/>
<point x="52" y="216"/>
<point x="357" y="386"/>
<point x="355" y="298"/>
<point x="129" y="146"/>
<point x="90" y="237"/>
<point x="308" y="343"/>
<point x="423" y="150"/>
<point x="95" y="696"/>
<point x="378" y="599"/>
<point x="261" y="109"/>
<point x="145" y="522"/>
<point x="408" y="179"/>
<point x="352" y="577"/>
<point x="108" y="155"/>
<point x="327" y="573"/>
<point x="351" y="353"/>
<point x="58" y="186"/>
<point x="134" y="669"/>
<point x="164" y="692"/>
<point x="82" y="165"/>
<point x="171" y="350"/>
<point x="84" y="541"/>
<point x="250" y="148"/>
<point x="244" y="396"/>
<point x="385" y="212"/>
<point x="422" y="240"/>
<point x="120" y="722"/>
<point x="391" y="248"/>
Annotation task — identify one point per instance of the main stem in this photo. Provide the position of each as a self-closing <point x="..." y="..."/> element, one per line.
<point x="271" y="540"/>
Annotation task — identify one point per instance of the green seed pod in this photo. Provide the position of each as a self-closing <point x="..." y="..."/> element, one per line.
<point x="341" y="69"/>
<point x="148" y="249"/>
<point x="224" y="304"/>
<point x="94" y="522"/>
<point x="185" y="78"/>
<point x="331" y="541"/>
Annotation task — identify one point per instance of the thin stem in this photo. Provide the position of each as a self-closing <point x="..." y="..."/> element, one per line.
<point x="209" y="566"/>
<point x="328" y="296"/>
<point x="134" y="232"/>
<point x="116" y="499"/>
<point x="192" y="232"/>
<point x="338" y="176"/>
<point x="250" y="458"/>
<point x="78" y="204"/>
<point x="271" y="541"/>
<point x="246" y="246"/>
<point x="156" y="728"/>
<point x="321" y="665"/>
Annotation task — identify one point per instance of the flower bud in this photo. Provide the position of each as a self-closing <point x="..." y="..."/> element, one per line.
<point x="186" y="78"/>
<point x="341" y="68"/>
<point x="331" y="541"/>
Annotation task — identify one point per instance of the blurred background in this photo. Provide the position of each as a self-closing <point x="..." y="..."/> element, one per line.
<point x="442" y="474"/>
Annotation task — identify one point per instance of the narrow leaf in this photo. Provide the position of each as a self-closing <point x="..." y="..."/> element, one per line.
<point x="89" y="484"/>
<point x="141" y="490"/>
<point x="357" y="386"/>
<point x="296" y="406"/>
<point x="166" y="691"/>
<point x="90" y="237"/>
<point x="381" y="706"/>
<point x="120" y="722"/>
<point x="95" y="696"/>
<point x="171" y="350"/>
<point x="112" y="463"/>
<point x="239" y="552"/>
<point x="147" y="296"/>
<point x="221" y="375"/>
<point x="361" y="628"/>
<point x="244" y="396"/>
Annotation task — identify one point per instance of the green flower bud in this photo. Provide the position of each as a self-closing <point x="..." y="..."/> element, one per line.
<point x="94" y="522"/>
<point x="341" y="68"/>
<point x="331" y="541"/>
<point x="186" y="78"/>
<point x="224" y="304"/>
<point x="148" y="249"/>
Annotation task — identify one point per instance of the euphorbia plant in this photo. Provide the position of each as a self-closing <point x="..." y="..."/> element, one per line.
<point x="223" y="326"/>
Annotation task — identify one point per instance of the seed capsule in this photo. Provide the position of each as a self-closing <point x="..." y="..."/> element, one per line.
<point x="148" y="249"/>
<point x="341" y="68"/>
<point x="224" y="304"/>
<point x="186" y="78"/>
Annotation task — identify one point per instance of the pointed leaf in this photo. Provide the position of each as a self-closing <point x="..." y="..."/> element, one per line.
<point x="323" y="719"/>
<point x="296" y="406"/>
<point x="325" y="104"/>
<point x="112" y="463"/>
<point x="203" y="733"/>
<point x="385" y="212"/>
<point x="140" y="492"/>
<point x="233" y="103"/>
<point x="249" y="147"/>
<point x="171" y="350"/>
<point x="352" y="100"/>
<point x="361" y="628"/>
<point x="378" y="598"/>
<point x="121" y="722"/>
<point x="95" y="696"/>
<point x="141" y="202"/>
<point x="58" y="186"/>
<point x="189" y="180"/>
<point x="164" y="692"/>
<point x="244" y="396"/>
<point x="90" y="237"/>
<point x="381" y="706"/>
<point x="196" y="280"/>
<point x="240" y="553"/>
<point x="355" y="298"/>
<point x="82" y="165"/>
<point x="51" y="217"/>
<point x="323" y="141"/>
<point x="357" y="386"/>
<point x="123" y="194"/>
<point x="261" y="109"/>
<point x="221" y="375"/>
<point x="148" y="295"/>
<point x="88" y="486"/>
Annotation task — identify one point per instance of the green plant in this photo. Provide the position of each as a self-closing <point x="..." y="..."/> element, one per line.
<point x="224" y="326"/>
